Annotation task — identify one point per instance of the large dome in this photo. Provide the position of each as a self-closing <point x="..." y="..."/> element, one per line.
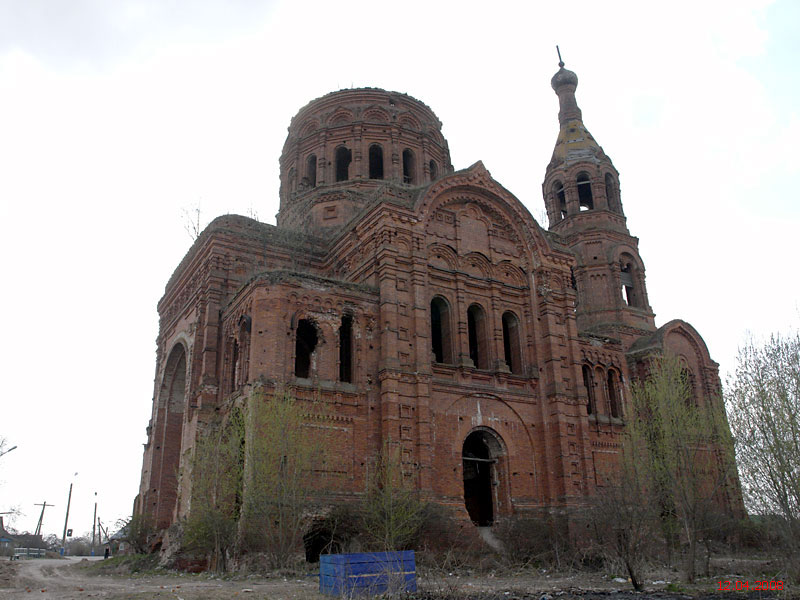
<point x="357" y="139"/>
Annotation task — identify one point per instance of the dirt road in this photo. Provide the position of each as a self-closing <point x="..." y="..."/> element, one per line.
<point x="62" y="579"/>
<point x="65" y="579"/>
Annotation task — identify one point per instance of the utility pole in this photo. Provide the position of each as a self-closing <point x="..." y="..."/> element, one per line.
<point x="66" y="520"/>
<point x="41" y="517"/>
<point x="94" y="520"/>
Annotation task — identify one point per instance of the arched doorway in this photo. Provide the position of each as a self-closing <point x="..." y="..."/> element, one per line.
<point x="480" y="455"/>
<point x="169" y="436"/>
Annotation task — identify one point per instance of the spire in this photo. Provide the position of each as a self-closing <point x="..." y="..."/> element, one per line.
<point x="574" y="143"/>
<point x="564" y="83"/>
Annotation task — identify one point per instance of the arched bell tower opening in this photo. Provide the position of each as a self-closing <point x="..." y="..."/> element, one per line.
<point x="481" y="457"/>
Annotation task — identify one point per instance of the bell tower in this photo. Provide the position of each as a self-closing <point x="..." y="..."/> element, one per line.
<point x="582" y="196"/>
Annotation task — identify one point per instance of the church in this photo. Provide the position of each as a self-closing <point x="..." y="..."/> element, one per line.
<point x="423" y="307"/>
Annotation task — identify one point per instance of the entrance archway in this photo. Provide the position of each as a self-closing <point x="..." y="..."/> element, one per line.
<point x="480" y="455"/>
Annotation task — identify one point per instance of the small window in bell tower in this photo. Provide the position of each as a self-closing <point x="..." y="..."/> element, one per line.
<point x="558" y="188"/>
<point x="585" y="192"/>
<point x="627" y="277"/>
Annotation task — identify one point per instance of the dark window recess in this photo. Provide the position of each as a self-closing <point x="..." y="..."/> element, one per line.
<point x="346" y="349"/>
<point x="234" y="365"/>
<point x="477" y="337"/>
<point x="409" y="175"/>
<point x="304" y="347"/>
<point x="613" y="394"/>
<point x="433" y="169"/>
<point x="628" y="284"/>
<point x="343" y="158"/>
<point x="375" y="162"/>
<point x="585" y="192"/>
<point x="511" y="342"/>
<point x="562" y="199"/>
<point x="441" y="344"/>
<point x="611" y="194"/>
<point x="587" y="383"/>
<point x="311" y="170"/>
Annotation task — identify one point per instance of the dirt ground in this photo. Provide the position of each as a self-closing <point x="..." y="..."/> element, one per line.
<point x="65" y="579"/>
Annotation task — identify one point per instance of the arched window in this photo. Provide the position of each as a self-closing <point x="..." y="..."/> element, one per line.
<point x="311" y="170"/>
<point x="241" y="354"/>
<point x="441" y="342"/>
<point x="346" y="349"/>
<point x="433" y="169"/>
<point x="613" y="393"/>
<point x="234" y="365"/>
<point x="687" y="378"/>
<point x="478" y="347"/>
<point x="305" y="344"/>
<point x="343" y="158"/>
<point x="589" y="386"/>
<point x="409" y="171"/>
<point x="376" y="161"/>
<point x="511" y="342"/>
<point x="561" y="198"/>
<point x="611" y="194"/>
<point x="628" y="277"/>
<point x="585" y="191"/>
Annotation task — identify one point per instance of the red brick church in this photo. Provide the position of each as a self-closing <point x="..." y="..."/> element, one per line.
<point x="421" y="305"/>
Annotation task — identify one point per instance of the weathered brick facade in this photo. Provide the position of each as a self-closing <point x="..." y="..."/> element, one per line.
<point x="422" y="306"/>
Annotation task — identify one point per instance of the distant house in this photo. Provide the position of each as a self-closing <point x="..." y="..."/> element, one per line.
<point x="7" y="541"/>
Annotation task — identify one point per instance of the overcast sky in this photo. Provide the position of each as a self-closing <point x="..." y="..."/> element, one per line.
<point x="117" y="116"/>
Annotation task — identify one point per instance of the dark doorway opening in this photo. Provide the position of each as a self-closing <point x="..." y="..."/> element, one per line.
<point x="479" y="474"/>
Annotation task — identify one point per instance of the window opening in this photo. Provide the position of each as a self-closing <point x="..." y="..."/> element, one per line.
<point x="628" y="287"/>
<point x="611" y="194"/>
<point x="477" y="337"/>
<point x="441" y="344"/>
<point x="585" y="192"/>
<point x="409" y="176"/>
<point x="343" y="158"/>
<point x="346" y="349"/>
<point x="311" y="170"/>
<point x="304" y="347"/>
<point x="587" y="383"/>
<point x="613" y="394"/>
<point x="562" y="199"/>
<point x="433" y="169"/>
<point x="511" y="342"/>
<point x="479" y="463"/>
<point x="234" y="365"/>
<point x="376" y="162"/>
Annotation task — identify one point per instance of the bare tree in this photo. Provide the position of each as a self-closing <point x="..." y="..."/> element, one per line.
<point x="191" y="221"/>
<point x="279" y="492"/>
<point x="216" y="491"/>
<point x="624" y="522"/>
<point x="684" y="452"/>
<point x="764" y="409"/>
<point x="393" y="512"/>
